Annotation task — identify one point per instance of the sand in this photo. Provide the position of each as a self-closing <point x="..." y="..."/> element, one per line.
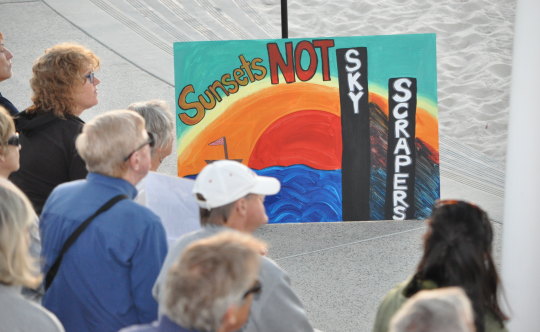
<point x="474" y="50"/>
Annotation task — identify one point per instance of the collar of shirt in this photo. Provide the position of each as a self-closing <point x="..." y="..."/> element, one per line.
<point x="124" y="186"/>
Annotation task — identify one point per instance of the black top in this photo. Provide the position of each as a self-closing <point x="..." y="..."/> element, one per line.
<point x="48" y="154"/>
<point x="8" y="106"/>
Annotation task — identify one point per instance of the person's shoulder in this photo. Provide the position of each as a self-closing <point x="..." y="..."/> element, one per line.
<point x="492" y="324"/>
<point x="71" y="185"/>
<point x="8" y="105"/>
<point x="30" y="314"/>
<point x="186" y="239"/>
<point x="46" y="320"/>
<point x="272" y="275"/>
<point x="270" y="266"/>
<point x="71" y="123"/>
<point x="389" y="305"/>
<point x="139" y="212"/>
<point x="74" y="120"/>
<point x="64" y="190"/>
<point x="68" y="125"/>
<point x="183" y="241"/>
<point x="395" y="294"/>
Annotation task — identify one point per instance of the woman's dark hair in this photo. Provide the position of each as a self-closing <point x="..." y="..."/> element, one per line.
<point x="457" y="252"/>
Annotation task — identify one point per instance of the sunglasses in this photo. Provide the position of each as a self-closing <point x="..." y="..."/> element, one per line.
<point x="14" y="140"/>
<point x="150" y="141"/>
<point x="255" y="289"/>
<point x="90" y="77"/>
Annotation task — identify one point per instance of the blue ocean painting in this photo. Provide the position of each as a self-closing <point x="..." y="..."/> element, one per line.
<point x="307" y="195"/>
<point x="312" y="195"/>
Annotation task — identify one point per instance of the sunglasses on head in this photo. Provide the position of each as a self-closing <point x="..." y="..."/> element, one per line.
<point x="14" y="140"/>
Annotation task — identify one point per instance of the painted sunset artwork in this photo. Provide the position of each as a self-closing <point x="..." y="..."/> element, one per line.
<point x="349" y="125"/>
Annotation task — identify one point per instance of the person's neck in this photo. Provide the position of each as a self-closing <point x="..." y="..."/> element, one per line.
<point x="237" y="224"/>
<point x="4" y="174"/>
<point x="156" y="162"/>
<point x="133" y="177"/>
<point x="77" y="112"/>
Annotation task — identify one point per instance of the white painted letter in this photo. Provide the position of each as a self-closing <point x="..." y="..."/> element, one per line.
<point x="353" y="81"/>
<point x="349" y="56"/>
<point x="401" y="161"/>
<point x="399" y="198"/>
<point x="398" y="85"/>
<point x="355" y="97"/>
<point x="399" y="181"/>
<point x="402" y="145"/>
<point x="400" y="126"/>
<point x="396" y="109"/>
<point x="399" y="213"/>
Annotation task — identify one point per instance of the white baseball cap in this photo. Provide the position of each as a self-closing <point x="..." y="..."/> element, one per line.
<point x="225" y="181"/>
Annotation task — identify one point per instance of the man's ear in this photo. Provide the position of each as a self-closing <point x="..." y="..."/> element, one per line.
<point x="241" y="206"/>
<point x="134" y="162"/>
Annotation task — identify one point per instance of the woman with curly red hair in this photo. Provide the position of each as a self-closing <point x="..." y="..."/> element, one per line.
<point x="64" y="86"/>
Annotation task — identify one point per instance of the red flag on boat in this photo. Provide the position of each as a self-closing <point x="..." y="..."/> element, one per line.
<point x="220" y="141"/>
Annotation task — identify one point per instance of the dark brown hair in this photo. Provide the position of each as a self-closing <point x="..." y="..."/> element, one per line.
<point x="457" y="252"/>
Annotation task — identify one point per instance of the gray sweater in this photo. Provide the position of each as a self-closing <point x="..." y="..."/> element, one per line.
<point x="21" y="315"/>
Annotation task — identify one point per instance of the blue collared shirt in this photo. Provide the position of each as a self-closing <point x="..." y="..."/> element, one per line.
<point x="105" y="279"/>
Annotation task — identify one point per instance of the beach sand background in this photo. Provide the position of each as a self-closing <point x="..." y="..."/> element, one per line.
<point x="474" y="50"/>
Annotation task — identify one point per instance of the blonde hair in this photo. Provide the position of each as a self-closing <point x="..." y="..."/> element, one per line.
<point x="211" y="275"/>
<point x="107" y="139"/>
<point x="17" y="267"/>
<point x="7" y="127"/>
<point x="1" y="36"/>
<point x="159" y="120"/>
<point x="55" y="73"/>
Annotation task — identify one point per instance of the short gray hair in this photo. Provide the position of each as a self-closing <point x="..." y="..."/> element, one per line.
<point x="159" y="120"/>
<point x="217" y="216"/>
<point x="107" y="139"/>
<point x="442" y="310"/>
<point x="212" y="275"/>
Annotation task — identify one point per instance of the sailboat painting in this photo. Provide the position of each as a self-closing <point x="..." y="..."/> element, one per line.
<point x="349" y="125"/>
<point x="222" y="141"/>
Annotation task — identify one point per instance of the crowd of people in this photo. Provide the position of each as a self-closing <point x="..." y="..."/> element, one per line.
<point x="101" y="262"/>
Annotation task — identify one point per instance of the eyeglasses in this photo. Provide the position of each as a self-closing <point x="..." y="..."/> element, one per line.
<point x="150" y="141"/>
<point x="14" y="140"/>
<point x="90" y="77"/>
<point x="255" y="289"/>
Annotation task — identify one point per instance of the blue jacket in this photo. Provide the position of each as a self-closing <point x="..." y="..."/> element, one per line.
<point x="104" y="282"/>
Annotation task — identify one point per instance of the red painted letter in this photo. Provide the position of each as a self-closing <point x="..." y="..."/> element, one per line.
<point x="276" y="61"/>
